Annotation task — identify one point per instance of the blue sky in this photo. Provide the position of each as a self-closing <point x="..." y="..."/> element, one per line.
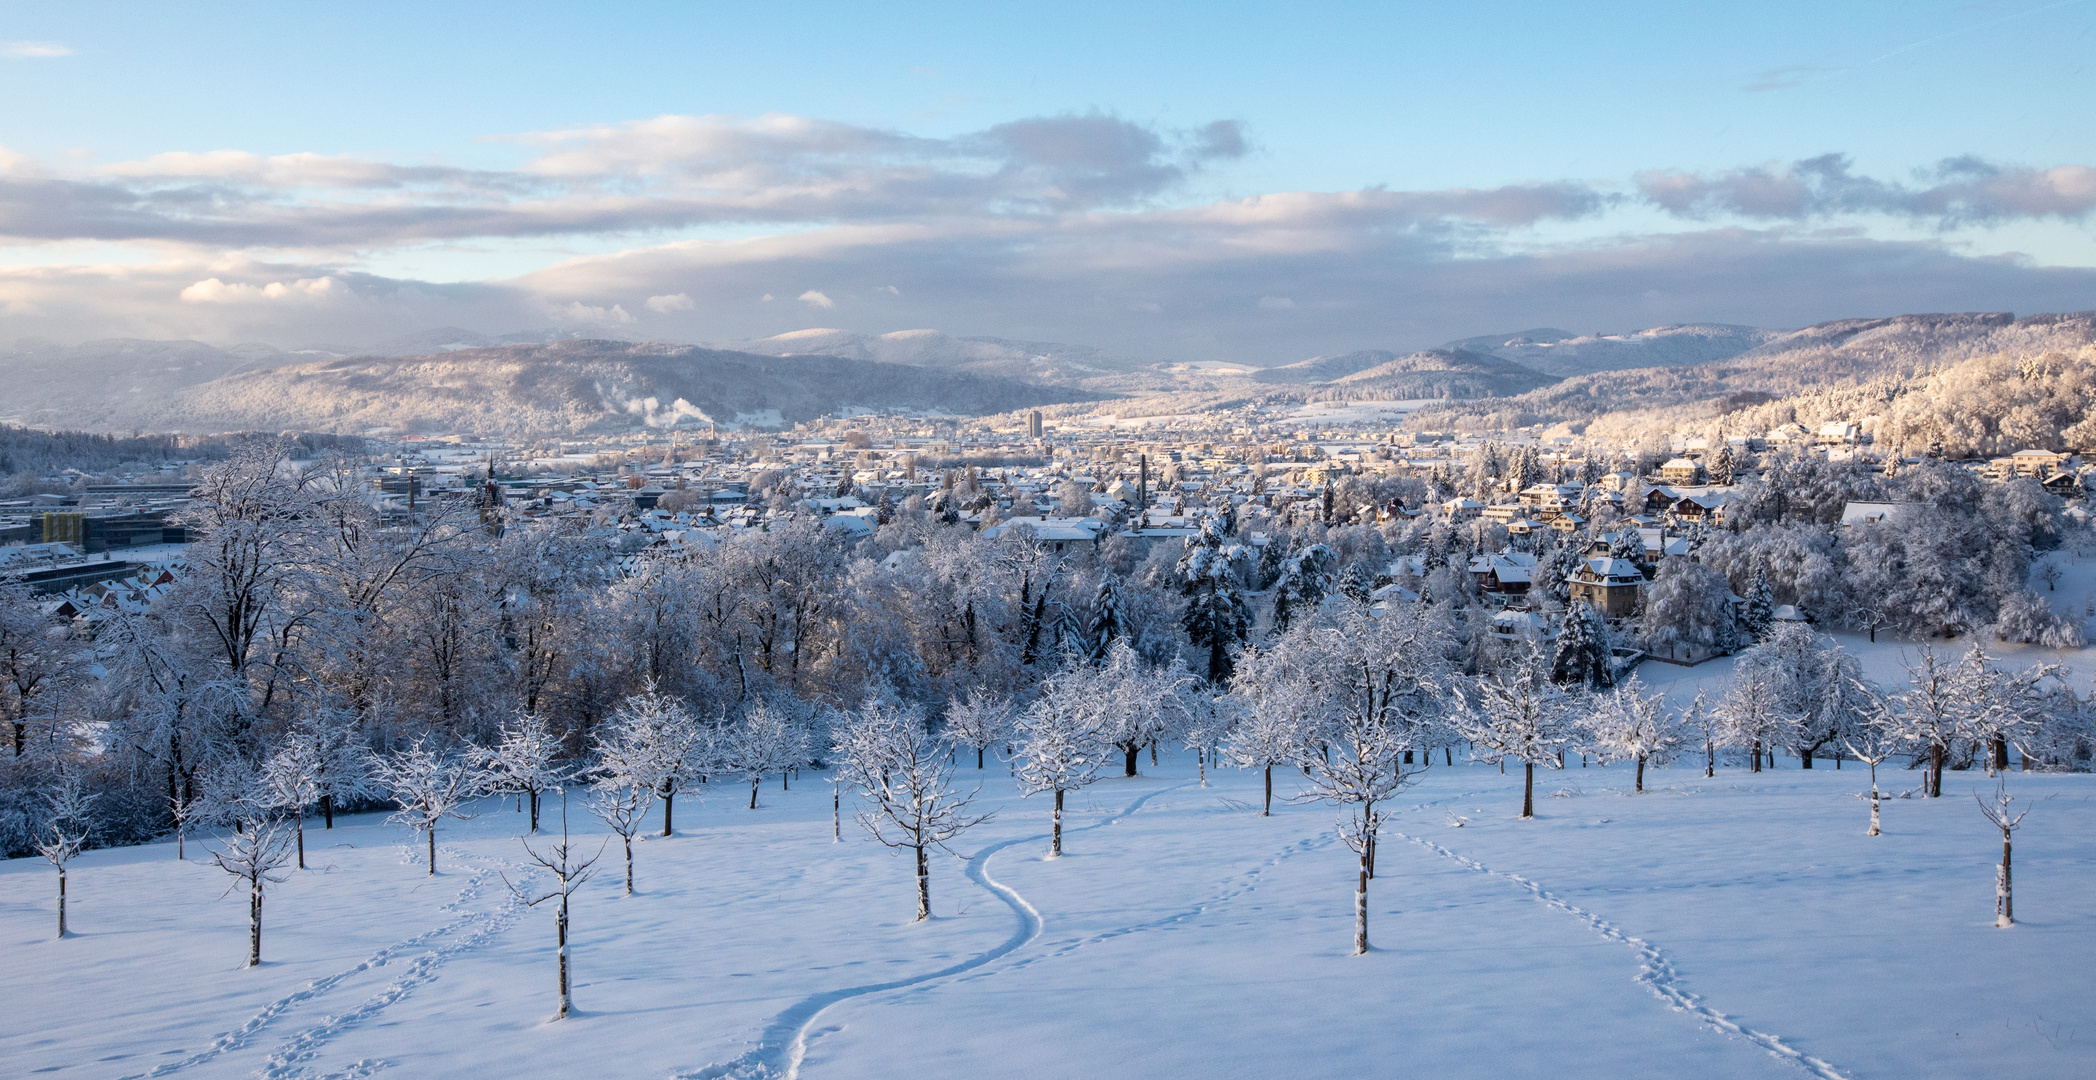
<point x="1644" y="159"/>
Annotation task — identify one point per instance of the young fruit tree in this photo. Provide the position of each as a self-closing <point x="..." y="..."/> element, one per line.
<point x="253" y="854"/>
<point x="340" y="763"/>
<point x="1752" y="711"/>
<point x="1931" y="713"/>
<point x="1629" y="725"/>
<point x="1872" y="741"/>
<point x="1999" y="811"/>
<point x="907" y="778"/>
<point x="525" y="760"/>
<point x="569" y="872"/>
<point x="1280" y="714"/>
<point x="1517" y="714"/>
<point x="1360" y="773"/>
<point x="1062" y="742"/>
<point x="64" y="833"/>
<point x="288" y="785"/>
<point x="622" y="804"/>
<point x="430" y="785"/>
<point x="979" y="721"/>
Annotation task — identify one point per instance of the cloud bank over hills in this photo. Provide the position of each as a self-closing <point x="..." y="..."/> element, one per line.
<point x="1075" y="227"/>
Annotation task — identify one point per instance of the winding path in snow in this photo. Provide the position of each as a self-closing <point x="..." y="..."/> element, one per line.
<point x="779" y="1051"/>
<point x="1655" y="971"/>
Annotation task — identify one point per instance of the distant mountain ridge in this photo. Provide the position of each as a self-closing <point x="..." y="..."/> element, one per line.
<point x="1034" y="361"/>
<point x="1555" y="352"/>
<point x="1429" y="373"/>
<point x="576" y="387"/>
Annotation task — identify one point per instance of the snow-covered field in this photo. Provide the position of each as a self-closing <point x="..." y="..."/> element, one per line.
<point x="1742" y="926"/>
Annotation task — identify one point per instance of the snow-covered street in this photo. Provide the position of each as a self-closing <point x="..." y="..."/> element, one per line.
<point x="1733" y="927"/>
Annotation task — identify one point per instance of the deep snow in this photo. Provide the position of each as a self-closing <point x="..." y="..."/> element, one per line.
<point x="1741" y="926"/>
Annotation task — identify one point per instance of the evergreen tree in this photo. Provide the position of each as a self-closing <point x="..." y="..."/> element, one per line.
<point x="1581" y="655"/>
<point x="1109" y="621"/>
<point x="1760" y="615"/>
<point x="1358" y="584"/>
<point x="1722" y="467"/>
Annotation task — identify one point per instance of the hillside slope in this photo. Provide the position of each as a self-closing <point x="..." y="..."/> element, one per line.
<point x="1555" y="352"/>
<point x="1034" y="361"/>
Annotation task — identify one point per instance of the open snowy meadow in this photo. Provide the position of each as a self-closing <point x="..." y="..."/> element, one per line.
<point x="1742" y="926"/>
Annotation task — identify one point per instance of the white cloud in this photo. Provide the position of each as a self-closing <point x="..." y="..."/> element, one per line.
<point x="216" y="291"/>
<point x="671" y="302"/>
<point x="1275" y="303"/>
<point x="33" y="50"/>
<point x="615" y="315"/>
<point x="891" y="290"/>
<point x="818" y="299"/>
<point x="767" y="298"/>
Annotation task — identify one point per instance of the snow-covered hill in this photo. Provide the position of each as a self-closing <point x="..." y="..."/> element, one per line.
<point x="1431" y="373"/>
<point x="102" y="384"/>
<point x="1555" y="352"/>
<point x="1739" y="928"/>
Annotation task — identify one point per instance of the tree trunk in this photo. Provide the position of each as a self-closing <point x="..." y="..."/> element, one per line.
<point x="836" y="811"/>
<point x="1641" y="774"/>
<point x="1874" y="801"/>
<point x="1804" y="757"/>
<point x="669" y="806"/>
<point x="1448" y="755"/>
<point x="1710" y="758"/>
<point x="629" y="864"/>
<point x="2004" y="903"/>
<point x="1361" y="909"/>
<point x="1055" y="841"/>
<point x="61" y="902"/>
<point x="1153" y="753"/>
<point x="1932" y="781"/>
<point x="1754" y="752"/>
<point x="924" y="886"/>
<point x="1528" y="789"/>
<point x="327" y="809"/>
<point x="753" y="792"/>
<point x="1268" y="809"/>
<point x="301" y="811"/>
<point x="978" y="757"/>
<point x="534" y="813"/>
<point x="565" y="1003"/>
<point x="1999" y="753"/>
<point x="1128" y="752"/>
<point x="254" y="922"/>
<point x="432" y="848"/>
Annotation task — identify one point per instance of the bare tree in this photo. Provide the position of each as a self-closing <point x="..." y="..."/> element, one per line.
<point x="568" y="874"/>
<point x="430" y="785"/>
<point x="64" y="834"/>
<point x="253" y="854"/>
<point x="655" y="739"/>
<point x="1999" y="812"/>
<point x="288" y="783"/>
<point x="908" y="779"/>
<point x="1361" y="771"/>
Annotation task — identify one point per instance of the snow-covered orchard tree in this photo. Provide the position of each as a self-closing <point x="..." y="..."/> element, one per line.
<point x="1141" y="704"/>
<point x="979" y="721"/>
<point x="1753" y="710"/>
<point x="569" y="871"/>
<point x="253" y="854"/>
<point x="1631" y="725"/>
<point x="1210" y="722"/>
<point x="1931" y="712"/>
<point x="1361" y="771"/>
<point x="526" y="760"/>
<point x="1062" y="741"/>
<point x="1518" y="714"/>
<point x="64" y="832"/>
<point x="907" y="777"/>
<point x="766" y="741"/>
<point x="430" y="784"/>
<point x="1278" y="718"/>
<point x="653" y="739"/>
